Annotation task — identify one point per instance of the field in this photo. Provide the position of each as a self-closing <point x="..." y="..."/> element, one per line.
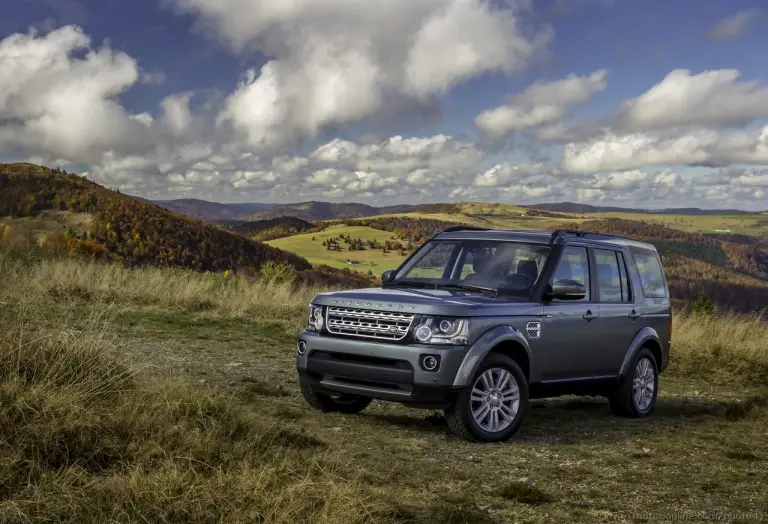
<point x="152" y="395"/>
<point x="368" y="260"/>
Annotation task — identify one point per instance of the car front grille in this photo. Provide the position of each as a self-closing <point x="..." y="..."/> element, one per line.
<point x="367" y="323"/>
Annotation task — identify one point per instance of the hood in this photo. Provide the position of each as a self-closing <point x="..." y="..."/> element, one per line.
<point x="429" y="302"/>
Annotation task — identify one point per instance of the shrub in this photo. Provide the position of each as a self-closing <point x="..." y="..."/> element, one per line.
<point x="277" y="272"/>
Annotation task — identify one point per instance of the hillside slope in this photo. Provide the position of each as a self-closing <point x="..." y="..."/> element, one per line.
<point x="311" y="211"/>
<point x="263" y="230"/>
<point x="130" y="230"/>
<point x="208" y="211"/>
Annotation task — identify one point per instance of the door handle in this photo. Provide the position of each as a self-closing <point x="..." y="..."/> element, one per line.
<point x="634" y="315"/>
<point x="589" y="316"/>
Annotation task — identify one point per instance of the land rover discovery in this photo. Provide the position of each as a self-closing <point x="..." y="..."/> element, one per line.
<point x="477" y="322"/>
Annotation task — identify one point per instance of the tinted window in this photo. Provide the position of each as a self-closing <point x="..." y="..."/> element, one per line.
<point x="651" y="276"/>
<point x="611" y="276"/>
<point x="626" y="288"/>
<point x="433" y="261"/>
<point x="573" y="265"/>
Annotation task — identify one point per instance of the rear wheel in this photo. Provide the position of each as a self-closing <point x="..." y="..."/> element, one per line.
<point x="635" y="395"/>
<point x="493" y="407"/>
<point x="341" y="403"/>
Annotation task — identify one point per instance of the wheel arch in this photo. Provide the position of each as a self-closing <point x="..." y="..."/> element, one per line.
<point x="505" y="340"/>
<point x="646" y="338"/>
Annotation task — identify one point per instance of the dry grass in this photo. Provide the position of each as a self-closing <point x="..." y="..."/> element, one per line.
<point x="88" y="436"/>
<point x="728" y="347"/>
<point x="84" y="439"/>
<point x="171" y="288"/>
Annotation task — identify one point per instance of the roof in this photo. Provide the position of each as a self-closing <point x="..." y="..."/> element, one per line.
<point x="537" y="236"/>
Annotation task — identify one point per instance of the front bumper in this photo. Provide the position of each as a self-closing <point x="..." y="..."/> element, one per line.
<point x="379" y="369"/>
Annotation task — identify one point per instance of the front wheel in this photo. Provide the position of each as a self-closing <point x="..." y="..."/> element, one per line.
<point x="493" y="408"/>
<point x="341" y="403"/>
<point x="635" y="396"/>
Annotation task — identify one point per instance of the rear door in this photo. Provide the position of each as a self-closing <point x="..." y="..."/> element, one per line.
<point x="618" y="316"/>
<point x="570" y="328"/>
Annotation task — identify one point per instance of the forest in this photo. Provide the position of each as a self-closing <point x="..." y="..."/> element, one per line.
<point x="129" y="230"/>
<point x="270" y="229"/>
<point x="411" y="229"/>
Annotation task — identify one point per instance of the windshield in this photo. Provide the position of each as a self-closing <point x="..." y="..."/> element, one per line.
<point x="504" y="266"/>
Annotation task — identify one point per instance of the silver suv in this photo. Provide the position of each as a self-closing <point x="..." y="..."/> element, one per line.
<point x="477" y="322"/>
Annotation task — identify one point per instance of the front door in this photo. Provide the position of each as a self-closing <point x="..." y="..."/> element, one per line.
<point x="570" y="328"/>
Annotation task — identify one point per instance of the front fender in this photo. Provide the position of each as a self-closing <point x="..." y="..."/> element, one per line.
<point x="482" y="346"/>
<point x="642" y="336"/>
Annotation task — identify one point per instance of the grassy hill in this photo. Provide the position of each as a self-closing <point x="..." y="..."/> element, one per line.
<point x="310" y="246"/>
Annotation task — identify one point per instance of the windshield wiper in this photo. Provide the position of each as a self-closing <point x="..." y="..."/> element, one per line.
<point x="471" y="287"/>
<point x="415" y="283"/>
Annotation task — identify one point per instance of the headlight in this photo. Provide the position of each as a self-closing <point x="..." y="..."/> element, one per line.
<point x="315" y="320"/>
<point x="442" y="330"/>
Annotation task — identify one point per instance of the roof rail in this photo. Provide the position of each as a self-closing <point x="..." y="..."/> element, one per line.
<point x="463" y="228"/>
<point x="562" y="232"/>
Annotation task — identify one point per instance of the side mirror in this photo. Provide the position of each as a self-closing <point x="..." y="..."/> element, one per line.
<point x="388" y="276"/>
<point x="567" y="289"/>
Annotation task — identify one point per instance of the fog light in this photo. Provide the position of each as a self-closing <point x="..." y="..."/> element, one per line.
<point x="301" y="347"/>
<point x="430" y="363"/>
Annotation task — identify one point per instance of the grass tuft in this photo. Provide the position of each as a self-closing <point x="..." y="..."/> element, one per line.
<point x="524" y="493"/>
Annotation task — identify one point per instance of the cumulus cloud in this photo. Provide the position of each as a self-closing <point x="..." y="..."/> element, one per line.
<point x="337" y="61"/>
<point x="735" y="25"/>
<point x="700" y="147"/>
<point x="57" y="96"/>
<point x="636" y="150"/>
<point x="401" y="154"/>
<point x="503" y="174"/>
<point x="541" y="103"/>
<point x="709" y="99"/>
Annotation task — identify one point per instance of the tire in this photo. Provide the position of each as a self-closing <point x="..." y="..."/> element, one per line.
<point x="343" y="403"/>
<point x="643" y="372"/>
<point x="460" y="415"/>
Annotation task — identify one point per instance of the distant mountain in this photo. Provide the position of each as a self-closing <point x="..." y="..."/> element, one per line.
<point x="316" y="211"/>
<point x="209" y="211"/>
<point x="572" y="207"/>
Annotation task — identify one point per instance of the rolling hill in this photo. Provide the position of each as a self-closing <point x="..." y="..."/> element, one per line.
<point x="263" y="230"/>
<point x="572" y="207"/>
<point x="210" y="211"/>
<point x="129" y="230"/>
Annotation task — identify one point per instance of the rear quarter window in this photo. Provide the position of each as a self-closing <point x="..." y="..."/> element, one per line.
<point x="651" y="275"/>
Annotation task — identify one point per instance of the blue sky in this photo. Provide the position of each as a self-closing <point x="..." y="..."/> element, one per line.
<point x="191" y="59"/>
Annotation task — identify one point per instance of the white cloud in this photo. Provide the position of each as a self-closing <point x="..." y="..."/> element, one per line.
<point x="401" y="154"/>
<point x="709" y="99"/>
<point x="541" y="103"/>
<point x="57" y="96"/>
<point x="735" y="24"/>
<point x="627" y="180"/>
<point x="336" y="61"/>
<point x="612" y="152"/>
<point x="503" y="174"/>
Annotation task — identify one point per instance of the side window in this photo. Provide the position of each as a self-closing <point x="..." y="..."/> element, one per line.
<point x="611" y="283"/>
<point x="626" y="287"/>
<point x="651" y="276"/>
<point x="574" y="265"/>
